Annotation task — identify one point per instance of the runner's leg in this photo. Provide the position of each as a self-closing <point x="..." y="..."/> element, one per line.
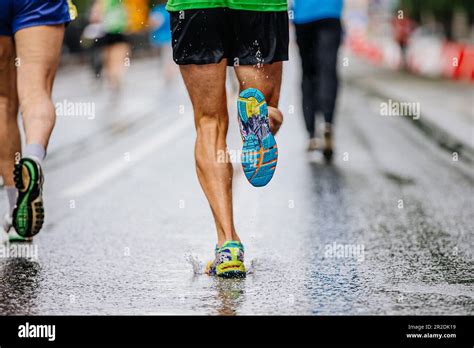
<point x="39" y="51"/>
<point x="206" y="87"/>
<point x="267" y="79"/>
<point x="10" y="142"/>
<point x="306" y="42"/>
<point x="116" y="55"/>
<point x="329" y="39"/>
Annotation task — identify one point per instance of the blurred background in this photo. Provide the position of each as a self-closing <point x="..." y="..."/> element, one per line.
<point x="435" y="32"/>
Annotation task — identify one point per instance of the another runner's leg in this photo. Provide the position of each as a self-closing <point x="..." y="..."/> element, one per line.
<point x="38" y="50"/>
<point x="329" y="38"/>
<point x="307" y="42"/>
<point x="9" y="132"/>
<point x="206" y="87"/>
<point x="116" y="55"/>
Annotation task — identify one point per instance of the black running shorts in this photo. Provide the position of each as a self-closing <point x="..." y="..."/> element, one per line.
<point x="112" y="39"/>
<point x="243" y="37"/>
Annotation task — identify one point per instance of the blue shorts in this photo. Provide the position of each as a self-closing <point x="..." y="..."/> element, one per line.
<point x="20" y="14"/>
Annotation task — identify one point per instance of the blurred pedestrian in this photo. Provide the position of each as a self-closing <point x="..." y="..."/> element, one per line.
<point x="91" y="39"/>
<point x="403" y="28"/>
<point x="160" y="39"/>
<point x="319" y="32"/>
<point x="114" y="17"/>
<point x="31" y="37"/>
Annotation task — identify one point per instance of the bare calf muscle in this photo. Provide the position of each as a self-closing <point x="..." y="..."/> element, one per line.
<point x="206" y="88"/>
<point x="36" y="72"/>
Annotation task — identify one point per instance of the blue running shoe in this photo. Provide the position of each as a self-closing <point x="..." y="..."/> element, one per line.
<point x="260" y="151"/>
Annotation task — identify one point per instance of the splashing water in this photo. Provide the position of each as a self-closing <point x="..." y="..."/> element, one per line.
<point x="259" y="58"/>
<point x="251" y="267"/>
<point x="196" y="264"/>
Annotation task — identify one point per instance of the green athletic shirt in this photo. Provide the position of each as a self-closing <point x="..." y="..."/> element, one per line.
<point x="250" y="5"/>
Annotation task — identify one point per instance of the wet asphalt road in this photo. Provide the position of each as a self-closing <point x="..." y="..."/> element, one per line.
<point x="128" y="230"/>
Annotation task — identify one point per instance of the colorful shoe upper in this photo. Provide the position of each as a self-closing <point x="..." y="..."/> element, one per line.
<point x="229" y="261"/>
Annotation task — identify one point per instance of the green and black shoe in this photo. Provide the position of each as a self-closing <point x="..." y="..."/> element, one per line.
<point x="11" y="235"/>
<point x="28" y="215"/>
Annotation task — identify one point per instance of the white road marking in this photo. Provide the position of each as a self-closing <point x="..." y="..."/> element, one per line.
<point x="115" y="168"/>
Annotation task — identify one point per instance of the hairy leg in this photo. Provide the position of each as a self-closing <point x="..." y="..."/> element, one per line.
<point x="206" y="87"/>
<point x="267" y="79"/>
<point x="9" y="133"/>
<point x="39" y="51"/>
